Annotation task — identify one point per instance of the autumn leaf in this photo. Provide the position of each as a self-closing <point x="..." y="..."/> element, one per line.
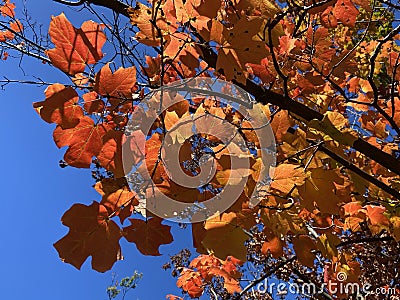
<point x="238" y="48"/>
<point x="191" y="282"/>
<point x="148" y="235"/>
<point x="285" y="176"/>
<point x="61" y="106"/>
<point x="327" y="188"/>
<point x="75" y="48"/>
<point x="84" y="141"/>
<point x="303" y="246"/>
<point x="225" y="237"/>
<point x="274" y="246"/>
<point x="280" y="123"/>
<point x="346" y="12"/>
<point x="334" y="125"/>
<point x="208" y="267"/>
<point x="117" y="197"/>
<point x="110" y="155"/>
<point x="92" y="103"/>
<point x="327" y="243"/>
<point x="91" y="233"/>
<point x="7" y="9"/>
<point x="117" y="86"/>
<point x="376" y="215"/>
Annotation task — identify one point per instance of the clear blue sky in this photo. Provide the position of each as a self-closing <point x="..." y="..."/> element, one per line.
<point x="36" y="192"/>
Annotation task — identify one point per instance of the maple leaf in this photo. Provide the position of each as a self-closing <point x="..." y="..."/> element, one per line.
<point x="16" y="26"/>
<point x="148" y="235"/>
<point x="238" y="47"/>
<point x="143" y="16"/>
<point x="110" y="155"/>
<point x="84" y="141"/>
<point x="117" y="86"/>
<point x="395" y="227"/>
<point x="280" y="123"/>
<point x="6" y="35"/>
<point x="376" y="215"/>
<point x="60" y="106"/>
<point x="334" y="125"/>
<point x="285" y="176"/>
<point x="75" y="48"/>
<point x="117" y="197"/>
<point x="326" y="243"/>
<point x="91" y="233"/>
<point x="268" y="8"/>
<point x="346" y="12"/>
<point x="209" y="266"/>
<point x="225" y="237"/>
<point x="273" y="245"/>
<point x="7" y="9"/>
<point x="92" y="103"/>
<point x="303" y="245"/>
<point x="331" y="185"/>
<point x="191" y="282"/>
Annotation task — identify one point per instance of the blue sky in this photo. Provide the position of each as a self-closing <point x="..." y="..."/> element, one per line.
<point x="36" y="192"/>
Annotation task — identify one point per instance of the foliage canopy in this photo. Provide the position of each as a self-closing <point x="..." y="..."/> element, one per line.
<point x="325" y="73"/>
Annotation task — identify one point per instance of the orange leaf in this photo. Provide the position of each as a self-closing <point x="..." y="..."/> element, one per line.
<point x="85" y="140"/>
<point x="191" y="282"/>
<point x="16" y="26"/>
<point x="280" y="123"/>
<point x="329" y="183"/>
<point x="148" y="235"/>
<point x="93" y="103"/>
<point x="274" y="246"/>
<point x="7" y="10"/>
<point x="117" y="196"/>
<point x="6" y="35"/>
<point x="285" y="176"/>
<point x="110" y="156"/>
<point x="225" y="237"/>
<point x="376" y="215"/>
<point x="91" y="233"/>
<point x="346" y="12"/>
<point x="118" y="85"/>
<point x="75" y="48"/>
<point x="60" y="106"/>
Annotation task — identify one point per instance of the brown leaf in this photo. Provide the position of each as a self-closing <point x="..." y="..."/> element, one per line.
<point x="303" y="245"/>
<point x="148" y="235"/>
<point x="91" y="233"/>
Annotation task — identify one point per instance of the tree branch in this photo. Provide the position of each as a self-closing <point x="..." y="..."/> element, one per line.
<point x="265" y="96"/>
